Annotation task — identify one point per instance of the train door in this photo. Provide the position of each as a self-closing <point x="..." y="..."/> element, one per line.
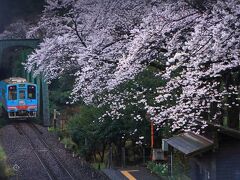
<point x="21" y="96"/>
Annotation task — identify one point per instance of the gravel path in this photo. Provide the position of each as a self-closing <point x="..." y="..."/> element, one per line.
<point x="21" y="156"/>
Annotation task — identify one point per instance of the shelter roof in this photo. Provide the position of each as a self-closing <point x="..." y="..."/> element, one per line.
<point x="227" y="131"/>
<point x="190" y="143"/>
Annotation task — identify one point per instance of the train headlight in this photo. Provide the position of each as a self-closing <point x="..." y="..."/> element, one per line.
<point x="32" y="108"/>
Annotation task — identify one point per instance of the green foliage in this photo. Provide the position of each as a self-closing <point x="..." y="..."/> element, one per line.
<point x="180" y="168"/>
<point x="51" y="129"/>
<point x="2" y="155"/>
<point x="98" y="166"/>
<point x="86" y="131"/>
<point x="59" y="92"/>
<point x="158" y="168"/>
<point x="21" y="56"/>
<point x="68" y="142"/>
<point x="13" y="57"/>
<point x="5" y="171"/>
<point x="92" y="136"/>
<point x="146" y="81"/>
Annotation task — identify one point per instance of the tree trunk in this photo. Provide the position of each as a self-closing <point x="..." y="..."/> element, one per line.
<point x="233" y="109"/>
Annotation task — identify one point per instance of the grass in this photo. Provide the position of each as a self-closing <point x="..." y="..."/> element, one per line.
<point x="98" y="166"/>
<point x="5" y="170"/>
<point x="68" y="142"/>
<point x="52" y="129"/>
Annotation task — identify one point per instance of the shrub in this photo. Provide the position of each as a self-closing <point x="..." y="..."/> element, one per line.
<point x="158" y="168"/>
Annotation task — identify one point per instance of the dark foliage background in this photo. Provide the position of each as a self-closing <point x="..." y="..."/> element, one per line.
<point x="11" y="10"/>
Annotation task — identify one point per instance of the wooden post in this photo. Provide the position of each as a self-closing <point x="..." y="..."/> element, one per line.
<point x="54" y="118"/>
<point x="123" y="157"/>
<point x="61" y="124"/>
<point x="110" y="158"/>
<point x="152" y="134"/>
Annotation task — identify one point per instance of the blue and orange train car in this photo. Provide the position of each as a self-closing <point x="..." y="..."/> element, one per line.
<point x="18" y="98"/>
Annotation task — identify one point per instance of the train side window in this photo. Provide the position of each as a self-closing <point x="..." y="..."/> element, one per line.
<point x="12" y="92"/>
<point x="31" y="92"/>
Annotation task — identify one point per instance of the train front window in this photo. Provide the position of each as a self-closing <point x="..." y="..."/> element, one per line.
<point x="31" y="92"/>
<point x="22" y="94"/>
<point x="12" y="92"/>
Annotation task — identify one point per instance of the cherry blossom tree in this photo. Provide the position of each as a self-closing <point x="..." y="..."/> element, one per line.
<point x="87" y="38"/>
<point x="194" y="44"/>
<point x="16" y="30"/>
<point x="203" y="54"/>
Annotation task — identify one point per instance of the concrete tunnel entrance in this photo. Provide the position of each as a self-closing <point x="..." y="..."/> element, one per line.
<point x="12" y="54"/>
<point x="11" y="62"/>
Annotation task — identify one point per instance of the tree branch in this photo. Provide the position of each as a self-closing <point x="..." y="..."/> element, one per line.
<point x="77" y="33"/>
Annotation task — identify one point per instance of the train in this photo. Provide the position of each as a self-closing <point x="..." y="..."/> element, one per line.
<point x="18" y="98"/>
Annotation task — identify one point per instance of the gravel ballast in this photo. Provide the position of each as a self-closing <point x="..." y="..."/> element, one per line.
<point x="22" y="158"/>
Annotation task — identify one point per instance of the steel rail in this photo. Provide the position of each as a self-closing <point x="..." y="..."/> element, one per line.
<point x="41" y="160"/>
<point x="59" y="162"/>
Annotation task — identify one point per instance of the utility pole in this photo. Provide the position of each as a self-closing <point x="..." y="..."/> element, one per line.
<point x="152" y="138"/>
<point x="152" y="133"/>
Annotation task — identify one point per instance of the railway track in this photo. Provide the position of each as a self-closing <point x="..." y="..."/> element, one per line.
<point x="56" y="170"/>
